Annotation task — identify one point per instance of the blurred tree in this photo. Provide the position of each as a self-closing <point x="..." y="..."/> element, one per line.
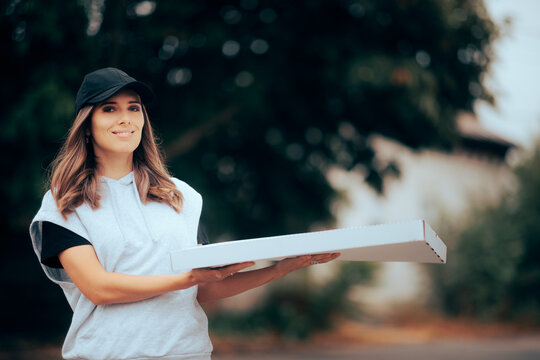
<point x="256" y="99"/>
<point x="43" y="47"/>
<point x="494" y="272"/>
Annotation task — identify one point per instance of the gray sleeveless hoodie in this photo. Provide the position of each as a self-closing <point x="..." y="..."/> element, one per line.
<point x="132" y="238"/>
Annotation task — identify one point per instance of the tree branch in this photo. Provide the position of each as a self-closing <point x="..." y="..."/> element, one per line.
<point x="189" y="139"/>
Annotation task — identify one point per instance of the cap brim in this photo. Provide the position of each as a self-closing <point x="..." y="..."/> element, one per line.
<point x="145" y="93"/>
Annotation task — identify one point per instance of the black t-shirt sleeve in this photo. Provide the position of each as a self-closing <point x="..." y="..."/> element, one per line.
<point x="202" y="238"/>
<point x="56" y="239"/>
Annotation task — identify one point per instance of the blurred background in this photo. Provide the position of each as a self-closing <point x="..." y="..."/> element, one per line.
<point x="292" y="116"/>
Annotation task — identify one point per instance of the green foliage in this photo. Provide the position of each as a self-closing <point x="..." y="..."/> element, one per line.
<point x="493" y="269"/>
<point x="253" y="130"/>
<point x="297" y="308"/>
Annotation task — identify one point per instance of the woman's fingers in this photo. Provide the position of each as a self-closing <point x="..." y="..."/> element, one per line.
<point x="234" y="268"/>
<point x="215" y="274"/>
<point x="323" y="258"/>
<point x="229" y="270"/>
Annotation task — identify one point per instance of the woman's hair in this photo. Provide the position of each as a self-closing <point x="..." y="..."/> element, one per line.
<point x="74" y="180"/>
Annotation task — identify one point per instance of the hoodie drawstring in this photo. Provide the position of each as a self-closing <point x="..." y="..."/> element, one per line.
<point x="141" y="209"/>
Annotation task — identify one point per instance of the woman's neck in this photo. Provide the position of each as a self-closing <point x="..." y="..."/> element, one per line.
<point x="115" y="167"/>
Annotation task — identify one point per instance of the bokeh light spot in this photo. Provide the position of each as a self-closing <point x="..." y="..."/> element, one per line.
<point x="11" y="7"/>
<point x="230" y="48"/>
<point x="19" y="32"/>
<point x="346" y="130"/>
<point x="226" y="168"/>
<point x="179" y="76"/>
<point x="243" y="79"/>
<point x="94" y="12"/>
<point x="422" y="58"/>
<point x="168" y="48"/>
<point x="356" y="10"/>
<point x="231" y="15"/>
<point x="145" y="8"/>
<point x="259" y="46"/>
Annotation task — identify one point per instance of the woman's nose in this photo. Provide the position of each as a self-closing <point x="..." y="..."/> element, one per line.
<point x="125" y="117"/>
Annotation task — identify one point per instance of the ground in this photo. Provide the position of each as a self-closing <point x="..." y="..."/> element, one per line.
<point x="406" y="338"/>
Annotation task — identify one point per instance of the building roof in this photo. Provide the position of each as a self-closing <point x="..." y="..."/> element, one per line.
<point x="475" y="136"/>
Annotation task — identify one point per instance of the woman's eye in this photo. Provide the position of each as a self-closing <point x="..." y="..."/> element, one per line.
<point x="108" y="109"/>
<point x="135" y="108"/>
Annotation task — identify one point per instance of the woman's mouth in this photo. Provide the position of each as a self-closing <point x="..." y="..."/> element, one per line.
<point x="123" y="133"/>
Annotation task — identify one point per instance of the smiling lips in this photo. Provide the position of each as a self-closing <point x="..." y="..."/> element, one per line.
<point x="123" y="133"/>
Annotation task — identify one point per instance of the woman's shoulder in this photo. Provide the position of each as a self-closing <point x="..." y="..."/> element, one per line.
<point x="49" y="212"/>
<point x="48" y="203"/>
<point x="182" y="185"/>
<point x="192" y="200"/>
<point x="49" y="209"/>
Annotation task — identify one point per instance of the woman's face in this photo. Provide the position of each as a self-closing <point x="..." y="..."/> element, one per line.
<point x="117" y="125"/>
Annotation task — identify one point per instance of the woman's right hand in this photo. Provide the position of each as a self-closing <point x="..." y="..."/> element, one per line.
<point x="102" y="287"/>
<point x="211" y="274"/>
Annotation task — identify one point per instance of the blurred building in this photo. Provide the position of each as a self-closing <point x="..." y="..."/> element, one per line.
<point x="432" y="185"/>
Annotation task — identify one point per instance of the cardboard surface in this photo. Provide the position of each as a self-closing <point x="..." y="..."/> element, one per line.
<point x="406" y="241"/>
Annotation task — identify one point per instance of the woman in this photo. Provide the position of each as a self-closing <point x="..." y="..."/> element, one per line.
<point x="107" y="225"/>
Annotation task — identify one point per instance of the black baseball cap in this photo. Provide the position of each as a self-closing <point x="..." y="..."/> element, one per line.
<point x="101" y="84"/>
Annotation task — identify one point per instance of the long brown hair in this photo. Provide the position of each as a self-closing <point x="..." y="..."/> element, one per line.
<point x="74" y="180"/>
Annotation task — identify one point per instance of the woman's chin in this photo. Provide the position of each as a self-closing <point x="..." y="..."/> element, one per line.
<point x="125" y="150"/>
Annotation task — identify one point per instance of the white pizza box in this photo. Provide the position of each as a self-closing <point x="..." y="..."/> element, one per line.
<point x="404" y="241"/>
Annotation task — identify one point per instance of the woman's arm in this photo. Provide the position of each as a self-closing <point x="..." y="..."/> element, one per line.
<point x="101" y="287"/>
<point x="247" y="280"/>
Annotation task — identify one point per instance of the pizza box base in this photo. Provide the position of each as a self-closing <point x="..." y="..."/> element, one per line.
<point x="405" y="241"/>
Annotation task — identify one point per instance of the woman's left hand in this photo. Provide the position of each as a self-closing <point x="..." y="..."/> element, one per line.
<point x="288" y="265"/>
<point x="242" y="281"/>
